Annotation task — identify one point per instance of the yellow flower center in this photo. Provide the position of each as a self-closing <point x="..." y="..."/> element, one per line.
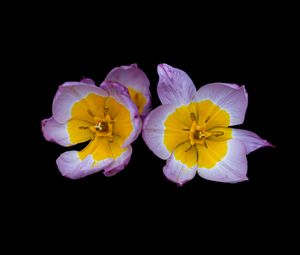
<point x="103" y="127"/>
<point x="102" y="120"/>
<point x="197" y="133"/>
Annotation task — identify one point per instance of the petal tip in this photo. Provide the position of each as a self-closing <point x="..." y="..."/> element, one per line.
<point x="44" y="122"/>
<point x="245" y="178"/>
<point x="45" y="132"/>
<point x="162" y="67"/>
<point x="268" y="144"/>
<point x="87" y="81"/>
<point x="135" y="65"/>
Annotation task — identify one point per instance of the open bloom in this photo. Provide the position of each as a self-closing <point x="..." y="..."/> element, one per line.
<point x="106" y="116"/>
<point x="191" y="129"/>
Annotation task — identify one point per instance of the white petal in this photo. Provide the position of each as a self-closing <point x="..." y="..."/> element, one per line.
<point x="133" y="77"/>
<point x="71" y="166"/>
<point x="119" y="163"/>
<point x="174" y="85"/>
<point x="251" y="140"/>
<point x="153" y="130"/>
<point x="178" y="172"/>
<point x="68" y="95"/>
<point x="56" y="132"/>
<point x="229" y="97"/>
<point x="232" y="168"/>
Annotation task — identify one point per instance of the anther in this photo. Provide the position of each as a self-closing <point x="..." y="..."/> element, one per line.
<point x="217" y="133"/>
<point x="193" y="117"/>
<point x="188" y="149"/>
<point x="90" y="113"/>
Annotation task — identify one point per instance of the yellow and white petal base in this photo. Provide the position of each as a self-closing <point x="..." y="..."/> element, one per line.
<point x="100" y="154"/>
<point x="119" y="163"/>
<point x="230" y="168"/>
<point x="182" y="164"/>
<point x="124" y="113"/>
<point x="154" y="131"/>
<point x="67" y="134"/>
<point x="229" y="97"/>
<point x="82" y="102"/>
<point x="137" y="83"/>
<point x="72" y="166"/>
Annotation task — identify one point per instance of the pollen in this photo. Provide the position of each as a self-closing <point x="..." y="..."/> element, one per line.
<point x="198" y="134"/>
<point x="103" y="126"/>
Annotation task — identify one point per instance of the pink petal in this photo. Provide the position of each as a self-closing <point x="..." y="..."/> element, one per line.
<point x="59" y="133"/>
<point x="153" y="130"/>
<point x="174" y="85"/>
<point x="67" y="95"/>
<point x="134" y="77"/>
<point x="55" y="132"/>
<point x="118" y="164"/>
<point x="230" y="97"/>
<point x="251" y="140"/>
<point x="178" y="171"/>
<point x="232" y="168"/>
<point x="88" y="81"/>
<point x="121" y="95"/>
<point x="71" y="166"/>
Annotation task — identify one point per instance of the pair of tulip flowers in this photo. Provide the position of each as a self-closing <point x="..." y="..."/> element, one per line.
<point x="191" y="129"/>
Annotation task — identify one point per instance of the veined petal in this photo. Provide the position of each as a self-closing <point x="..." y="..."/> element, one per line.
<point x="80" y="101"/>
<point x="119" y="163"/>
<point x="182" y="165"/>
<point x="251" y="140"/>
<point x="123" y="112"/>
<point x="229" y="97"/>
<point x="174" y="85"/>
<point x="72" y="166"/>
<point x="67" y="134"/>
<point x="154" y="131"/>
<point x="223" y="161"/>
<point x="137" y="83"/>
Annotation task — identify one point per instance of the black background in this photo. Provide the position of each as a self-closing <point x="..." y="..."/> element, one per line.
<point x="250" y="48"/>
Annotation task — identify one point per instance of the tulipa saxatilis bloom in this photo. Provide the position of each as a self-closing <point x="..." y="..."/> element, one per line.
<point x="191" y="129"/>
<point x="106" y="116"/>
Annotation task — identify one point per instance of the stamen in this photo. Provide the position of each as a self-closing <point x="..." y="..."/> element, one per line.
<point x="207" y="119"/>
<point x="188" y="149"/>
<point x="193" y="117"/>
<point x="217" y="133"/>
<point x="90" y="113"/>
<point x="83" y="127"/>
<point x="200" y="135"/>
<point x="185" y="129"/>
<point x="205" y="143"/>
<point x="102" y="126"/>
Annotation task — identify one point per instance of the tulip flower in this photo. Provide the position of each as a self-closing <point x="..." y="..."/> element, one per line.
<point x="106" y="116"/>
<point x="192" y="129"/>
